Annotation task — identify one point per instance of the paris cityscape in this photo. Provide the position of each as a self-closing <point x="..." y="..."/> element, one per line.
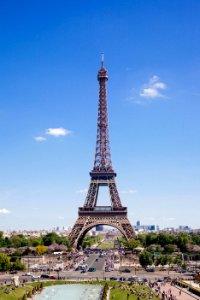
<point x="100" y="164"/>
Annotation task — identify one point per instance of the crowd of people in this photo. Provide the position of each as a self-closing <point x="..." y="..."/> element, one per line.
<point x="163" y="294"/>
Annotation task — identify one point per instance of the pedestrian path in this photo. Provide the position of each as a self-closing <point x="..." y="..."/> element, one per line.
<point x="108" y="294"/>
<point x="185" y="295"/>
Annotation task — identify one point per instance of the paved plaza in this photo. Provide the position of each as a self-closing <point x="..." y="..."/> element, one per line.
<point x="175" y="291"/>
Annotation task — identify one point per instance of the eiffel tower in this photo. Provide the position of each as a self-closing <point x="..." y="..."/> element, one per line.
<point x="102" y="174"/>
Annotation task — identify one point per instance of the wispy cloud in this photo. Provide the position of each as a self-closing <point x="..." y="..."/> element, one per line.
<point x="83" y="191"/>
<point x="60" y="217"/>
<point x="60" y="131"/>
<point x="40" y="138"/>
<point x="153" y="88"/>
<point x="149" y="91"/>
<point x="4" y="211"/>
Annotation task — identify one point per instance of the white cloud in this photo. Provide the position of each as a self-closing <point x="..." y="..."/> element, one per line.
<point x="160" y="85"/>
<point x="60" y="217"/>
<point x="4" y="211"/>
<point x="149" y="92"/>
<point x="131" y="191"/>
<point x="57" y="131"/>
<point x="83" y="191"/>
<point x="40" y="138"/>
<point x="152" y="88"/>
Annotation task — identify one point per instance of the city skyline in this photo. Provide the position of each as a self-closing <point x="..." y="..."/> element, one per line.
<point x="49" y="59"/>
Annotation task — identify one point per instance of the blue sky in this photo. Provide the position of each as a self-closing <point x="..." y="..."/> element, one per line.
<point x="49" y="58"/>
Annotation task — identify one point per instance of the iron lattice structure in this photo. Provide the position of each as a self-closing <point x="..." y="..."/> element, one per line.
<point x="102" y="174"/>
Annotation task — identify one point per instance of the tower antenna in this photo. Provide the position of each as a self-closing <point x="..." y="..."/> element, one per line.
<point x="102" y="59"/>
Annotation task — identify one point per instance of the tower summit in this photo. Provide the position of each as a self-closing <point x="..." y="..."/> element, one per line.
<point x="102" y="162"/>
<point x="102" y="174"/>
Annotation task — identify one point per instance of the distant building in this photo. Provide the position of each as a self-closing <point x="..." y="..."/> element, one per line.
<point x="99" y="228"/>
<point x="184" y="228"/>
<point x="138" y="224"/>
<point x="146" y="228"/>
<point x="111" y="235"/>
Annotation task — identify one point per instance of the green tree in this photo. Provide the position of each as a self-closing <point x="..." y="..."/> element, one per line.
<point x="145" y="259"/>
<point x="162" y="260"/>
<point x="24" y="297"/>
<point x="7" y="242"/>
<point x="151" y="238"/>
<point x="18" y="266"/>
<point x="182" y="239"/>
<point x="36" y="241"/>
<point x="177" y="261"/>
<point x="132" y="244"/>
<point x="121" y="240"/>
<point x="154" y="248"/>
<point x="53" y="238"/>
<point x="170" y="248"/>
<point x="2" y="243"/>
<point x="29" y="294"/>
<point x="142" y="239"/>
<point x="164" y="239"/>
<point x="41" y="286"/>
<point x="4" y="262"/>
<point x="195" y="239"/>
<point x="19" y="241"/>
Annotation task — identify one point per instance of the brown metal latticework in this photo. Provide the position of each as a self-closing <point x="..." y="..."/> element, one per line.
<point x="102" y="174"/>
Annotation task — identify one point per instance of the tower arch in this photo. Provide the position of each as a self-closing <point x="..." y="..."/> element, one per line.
<point x="95" y="223"/>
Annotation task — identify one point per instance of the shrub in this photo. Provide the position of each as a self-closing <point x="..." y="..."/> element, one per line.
<point x="105" y="292"/>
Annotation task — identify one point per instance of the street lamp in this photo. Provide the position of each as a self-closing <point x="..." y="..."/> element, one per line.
<point x="58" y="271"/>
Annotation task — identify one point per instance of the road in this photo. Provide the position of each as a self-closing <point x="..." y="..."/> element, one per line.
<point x="91" y="259"/>
<point x="94" y="260"/>
<point x="98" y="263"/>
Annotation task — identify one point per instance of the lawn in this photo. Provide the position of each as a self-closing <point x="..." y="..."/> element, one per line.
<point x="106" y="244"/>
<point x="118" y="293"/>
<point x="14" y="294"/>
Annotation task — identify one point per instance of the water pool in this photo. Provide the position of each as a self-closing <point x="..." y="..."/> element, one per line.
<point x="70" y="292"/>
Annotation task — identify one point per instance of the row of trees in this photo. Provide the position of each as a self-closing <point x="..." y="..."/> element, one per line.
<point x="17" y="241"/>
<point x="163" y="239"/>
<point x="146" y="258"/>
<point x="165" y="242"/>
<point x="8" y="263"/>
